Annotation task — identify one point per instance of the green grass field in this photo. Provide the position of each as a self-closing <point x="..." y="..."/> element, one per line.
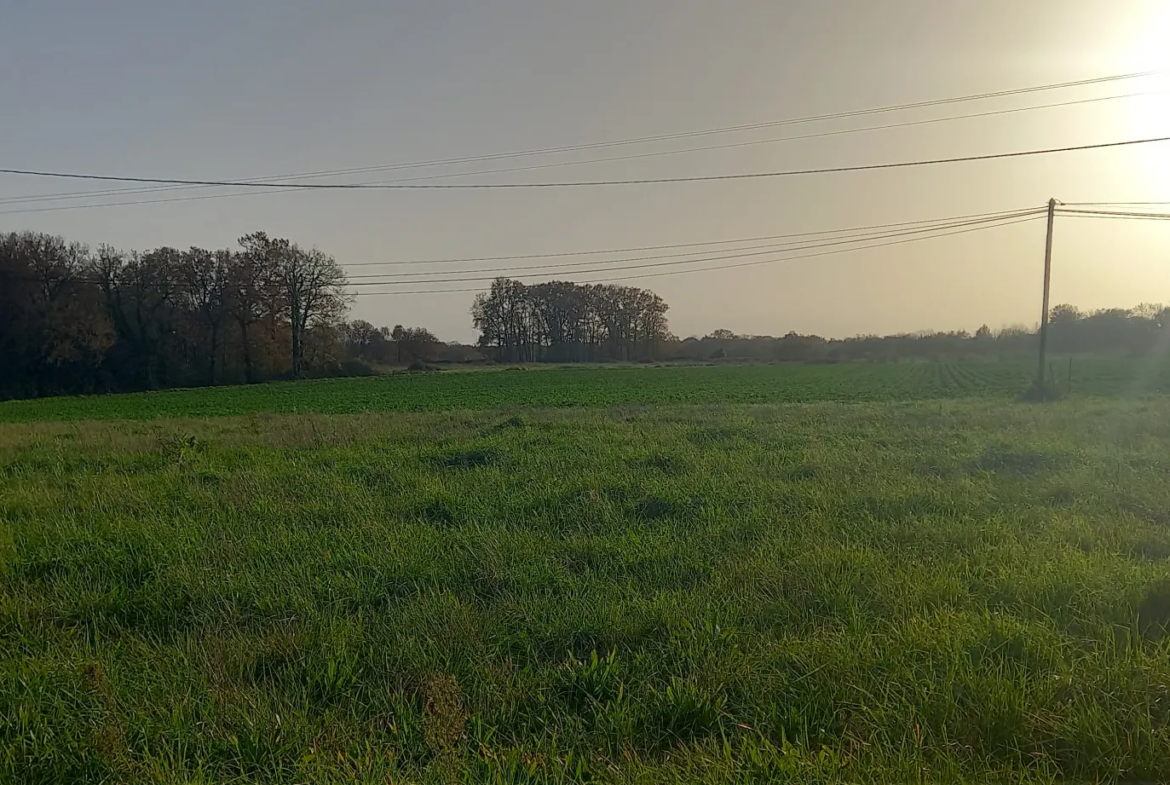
<point x="613" y="386"/>
<point x="682" y="578"/>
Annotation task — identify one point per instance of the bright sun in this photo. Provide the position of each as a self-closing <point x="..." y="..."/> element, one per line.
<point x="1150" y="114"/>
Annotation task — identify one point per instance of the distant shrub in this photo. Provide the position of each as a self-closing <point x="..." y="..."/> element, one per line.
<point x="354" y="367"/>
<point x="1042" y="393"/>
<point x="334" y="369"/>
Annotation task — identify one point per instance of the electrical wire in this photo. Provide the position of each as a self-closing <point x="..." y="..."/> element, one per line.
<point x="637" y="156"/>
<point x="593" y="183"/>
<point x="1114" y="217"/>
<point x="637" y="249"/>
<point x="912" y="229"/>
<point x="679" y="135"/>
<point x="1113" y="214"/>
<point x="755" y="142"/>
<point x="801" y="245"/>
<point x="834" y="252"/>
<point x="1018" y="221"/>
<point x="1116" y="204"/>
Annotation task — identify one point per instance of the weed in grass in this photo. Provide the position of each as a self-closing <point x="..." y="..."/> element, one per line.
<point x="685" y="712"/>
<point x="468" y="459"/>
<point x="329" y="679"/>
<point x="1153" y="612"/>
<point x="658" y="508"/>
<point x="1022" y="463"/>
<point x="593" y="683"/>
<point x="445" y="720"/>
<point x="175" y="448"/>
<point x="665" y="464"/>
<point x="511" y="422"/>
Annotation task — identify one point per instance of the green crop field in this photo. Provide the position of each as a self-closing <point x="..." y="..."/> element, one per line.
<point x="612" y="386"/>
<point x="712" y="574"/>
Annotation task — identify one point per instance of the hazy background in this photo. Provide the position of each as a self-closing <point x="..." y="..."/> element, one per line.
<point x="232" y="90"/>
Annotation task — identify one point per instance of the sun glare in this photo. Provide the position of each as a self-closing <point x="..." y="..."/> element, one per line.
<point x="1150" y="114"/>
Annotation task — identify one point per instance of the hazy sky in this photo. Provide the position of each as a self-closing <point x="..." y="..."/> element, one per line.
<point x="235" y="89"/>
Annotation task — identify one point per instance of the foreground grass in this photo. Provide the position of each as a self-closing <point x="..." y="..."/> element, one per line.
<point x="518" y="388"/>
<point x="937" y="591"/>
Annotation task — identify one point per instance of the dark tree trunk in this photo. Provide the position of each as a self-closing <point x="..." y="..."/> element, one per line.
<point x="247" y="347"/>
<point x="214" y="353"/>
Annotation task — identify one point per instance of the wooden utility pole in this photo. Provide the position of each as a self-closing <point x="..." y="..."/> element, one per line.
<point x="1047" y="283"/>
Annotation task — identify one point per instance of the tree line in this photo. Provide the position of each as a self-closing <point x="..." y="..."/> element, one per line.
<point x="80" y="320"/>
<point x="1117" y="332"/>
<point x="561" y="321"/>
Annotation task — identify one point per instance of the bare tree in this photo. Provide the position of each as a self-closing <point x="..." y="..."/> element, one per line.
<point x="206" y="278"/>
<point x="312" y="286"/>
<point x="309" y="286"/>
<point x="417" y="343"/>
<point x="53" y="328"/>
<point x="398" y="334"/>
<point x="252" y="285"/>
<point x="140" y="292"/>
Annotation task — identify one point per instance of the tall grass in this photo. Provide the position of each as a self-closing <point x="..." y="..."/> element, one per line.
<point x="934" y="591"/>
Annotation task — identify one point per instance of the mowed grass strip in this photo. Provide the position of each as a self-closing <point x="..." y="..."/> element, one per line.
<point x="937" y="591"/>
<point x="534" y="386"/>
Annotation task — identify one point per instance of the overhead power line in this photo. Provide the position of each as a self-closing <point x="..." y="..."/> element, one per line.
<point x="755" y="263"/>
<point x="911" y="229"/>
<point x="1015" y="222"/>
<point x="593" y="183"/>
<point x="1115" y="204"/>
<point x="559" y="164"/>
<point x="757" y="142"/>
<point x="638" y="249"/>
<point x="1140" y="216"/>
<point x="732" y="253"/>
<point x="649" y="139"/>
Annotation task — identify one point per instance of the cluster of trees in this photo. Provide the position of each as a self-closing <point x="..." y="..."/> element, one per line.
<point x="1136" y="331"/>
<point x="567" y="322"/>
<point x="383" y="346"/>
<point x="1119" y="332"/>
<point x="76" y="320"/>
